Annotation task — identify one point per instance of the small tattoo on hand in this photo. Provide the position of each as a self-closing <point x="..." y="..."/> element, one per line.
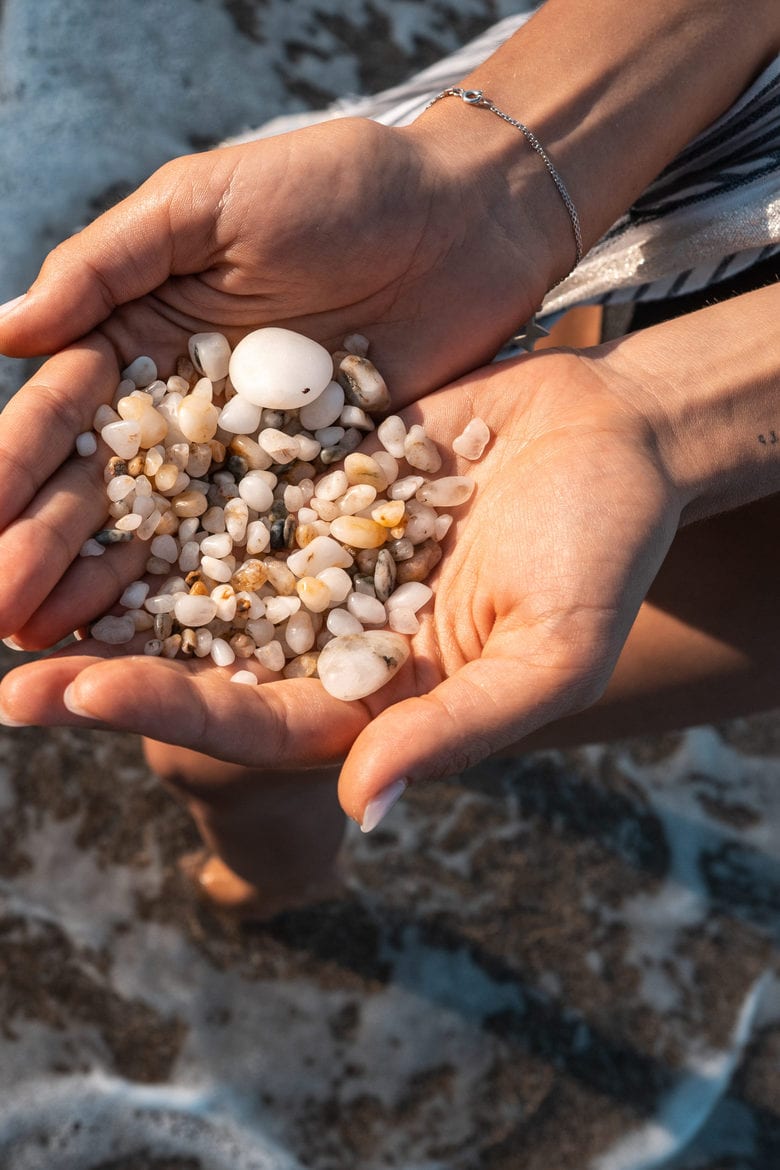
<point x="769" y="439"/>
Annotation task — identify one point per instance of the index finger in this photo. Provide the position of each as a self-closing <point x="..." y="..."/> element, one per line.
<point x="38" y="427"/>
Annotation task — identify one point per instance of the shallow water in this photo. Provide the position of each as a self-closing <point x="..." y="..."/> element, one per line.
<point x="563" y="963"/>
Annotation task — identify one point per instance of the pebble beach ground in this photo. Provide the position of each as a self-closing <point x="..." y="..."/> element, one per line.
<point x="563" y="964"/>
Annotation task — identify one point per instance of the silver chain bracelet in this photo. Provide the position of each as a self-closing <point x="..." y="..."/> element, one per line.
<point x="475" y="97"/>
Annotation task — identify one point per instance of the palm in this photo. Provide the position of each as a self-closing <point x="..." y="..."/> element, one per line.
<point x="542" y="577"/>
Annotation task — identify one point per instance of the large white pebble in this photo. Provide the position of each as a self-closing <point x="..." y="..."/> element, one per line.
<point x="279" y="369"/>
<point x="355" y="665"/>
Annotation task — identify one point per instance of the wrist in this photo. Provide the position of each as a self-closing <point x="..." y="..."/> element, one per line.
<point x="496" y="200"/>
<point x="708" y="386"/>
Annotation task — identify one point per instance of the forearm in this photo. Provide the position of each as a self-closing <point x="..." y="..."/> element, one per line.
<point x="709" y="384"/>
<point x="613" y="92"/>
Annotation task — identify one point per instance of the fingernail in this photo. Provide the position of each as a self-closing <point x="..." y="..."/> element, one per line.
<point x="7" y="721"/>
<point x="380" y="806"/>
<point x="12" y="644"/>
<point x="72" y="704"/>
<point x="9" y="306"/>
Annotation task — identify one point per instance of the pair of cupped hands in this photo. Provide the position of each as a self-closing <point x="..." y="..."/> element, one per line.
<point x="343" y="227"/>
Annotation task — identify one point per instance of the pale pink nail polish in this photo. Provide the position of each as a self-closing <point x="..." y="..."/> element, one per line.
<point x="12" y="644"/>
<point x="9" y="306"/>
<point x="381" y="804"/>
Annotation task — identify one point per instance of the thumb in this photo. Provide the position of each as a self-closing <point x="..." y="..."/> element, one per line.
<point x="122" y="255"/>
<point x="487" y="705"/>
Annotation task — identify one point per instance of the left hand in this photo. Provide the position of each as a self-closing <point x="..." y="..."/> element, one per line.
<point x="542" y="577"/>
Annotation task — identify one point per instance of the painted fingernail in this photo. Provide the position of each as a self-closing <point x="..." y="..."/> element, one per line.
<point x="12" y="644"/>
<point x="380" y="806"/>
<point x="9" y="306"/>
<point x="72" y="704"/>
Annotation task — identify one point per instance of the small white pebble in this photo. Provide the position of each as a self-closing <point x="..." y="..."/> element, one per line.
<point x="368" y="610"/>
<point x="160" y="603"/>
<point x="124" y="438"/>
<point x="356" y="343"/>
<point x="299" y="632"/>
<point x="324" y="410"/>
<point x="220" y="544"/>
<point x="338" y="581"/>
<point x="447" y="492"/>
<point x="92" y="548"/>
<point x="129" y="523"/>
<point x="166" y="548"/>
<point x="218" y="570"/>
<point x="120" y="487"/>
<point x="141" y="372"/>
<point x="210" y="354"/>
<point x="413" y="595"/>
<point x="339" y="622"/>
<point x="388" y="464"/>
<point x="271" y="656"/>
<point x="391" y="433"/>
<point x="355" y="416"/>
<point x="245" y="678"/>
<point x="278" y="609"/>
<point x="86" y="443"/>
<point x="193" y="609"/>
<point x="222" y="653"/>
<point x="473" y="440"/>
<point x="404" y="489"/>
<point x="420" y="451"/>
<point x="403" y="621"/>
<point x="112" y="630"/>
<point x="135" y="594"/>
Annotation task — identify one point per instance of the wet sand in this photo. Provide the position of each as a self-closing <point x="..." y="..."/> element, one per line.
<point x="564" y="964"/>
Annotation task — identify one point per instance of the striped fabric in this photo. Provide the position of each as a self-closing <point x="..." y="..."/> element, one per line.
<point x="714" y="211"/>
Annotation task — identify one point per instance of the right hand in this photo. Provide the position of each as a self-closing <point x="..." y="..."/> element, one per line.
<point x="343" y="226"/>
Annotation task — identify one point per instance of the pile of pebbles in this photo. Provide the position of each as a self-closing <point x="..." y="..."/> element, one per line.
<point x="275" y="538"/>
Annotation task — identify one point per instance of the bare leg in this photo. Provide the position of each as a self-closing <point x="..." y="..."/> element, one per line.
<point x="705" y="647"/>
<point x="272" y="838"/>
